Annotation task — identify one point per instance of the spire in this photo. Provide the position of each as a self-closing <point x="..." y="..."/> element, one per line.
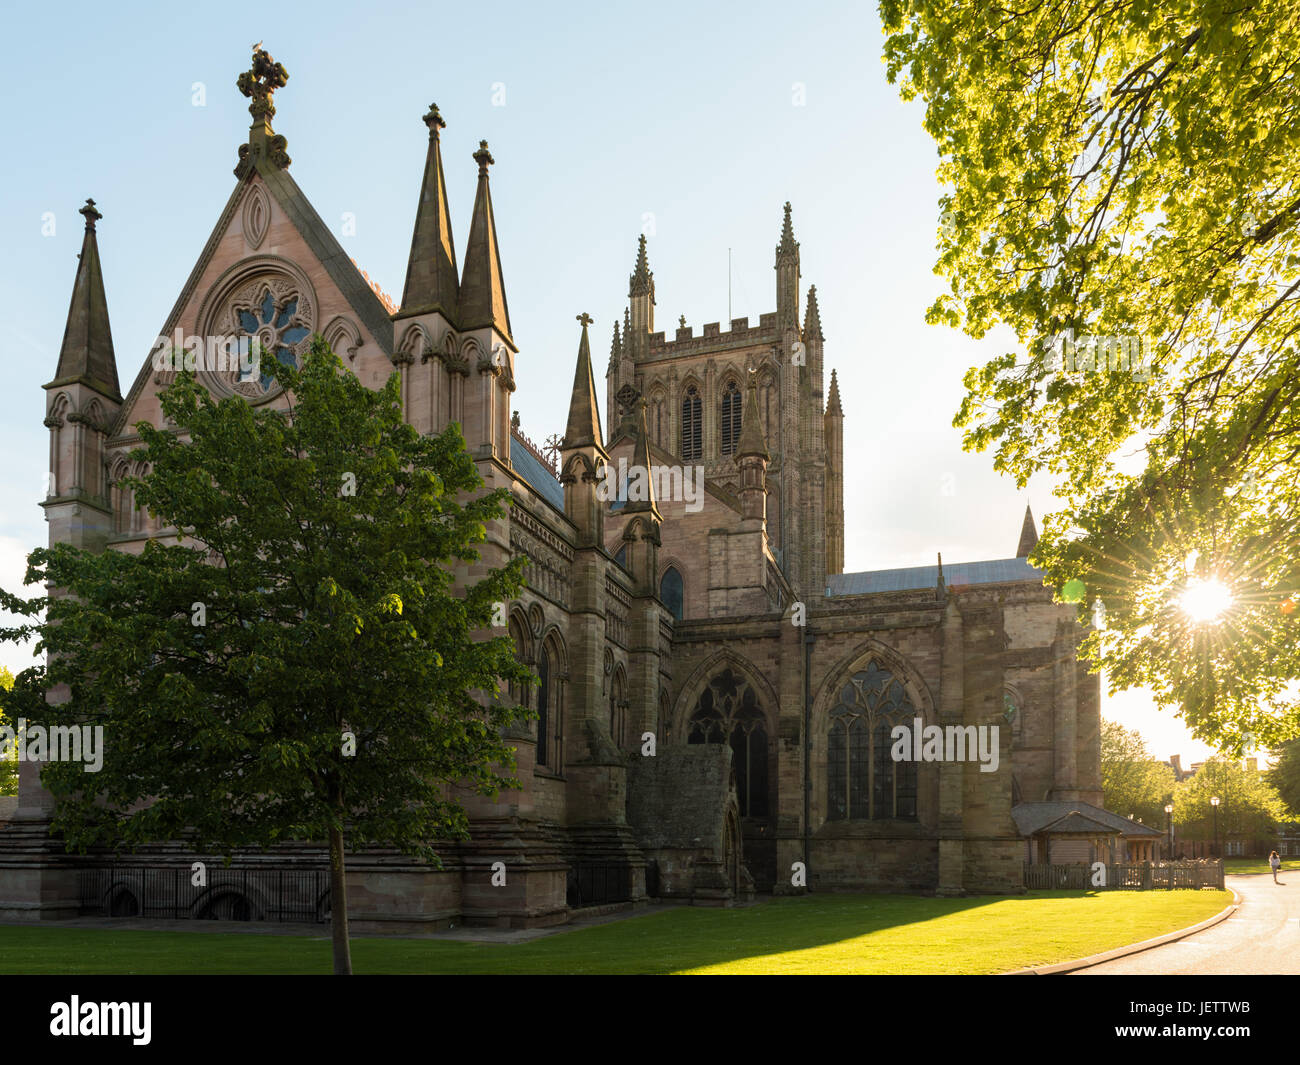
<point x="751" y="433"/>
<point x="482" y="288"/>
<point x="642" y="281"/>
<point x="812" y="319"/>
<point x="431" y="283"/>
<point x="641" y="461"/>
<point x="87" y="352"/>
<point x="1028" y="536"/>
<point x="788" y="246"/>
<point x="833" y="398"/>
<point x="584" y="416"/>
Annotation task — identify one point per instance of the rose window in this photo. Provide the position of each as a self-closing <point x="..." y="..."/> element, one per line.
<point x="273" y="315"/>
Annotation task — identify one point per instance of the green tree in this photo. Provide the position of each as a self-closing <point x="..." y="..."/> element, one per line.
<point x="1132" y="170"/>
<point x="1249" y="806"/>
<point x="1285" y="777"/>
<point x="8" y="763"/>
<point x="1133" y="784"/>
<point x="310" y="605"/>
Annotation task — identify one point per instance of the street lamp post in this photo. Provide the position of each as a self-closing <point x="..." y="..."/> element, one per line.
<point x="1169" y="826"/>
<point x="1214" y="802"/>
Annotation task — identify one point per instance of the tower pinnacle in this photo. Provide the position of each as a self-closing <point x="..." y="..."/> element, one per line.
<point x="788" y="245"/>
<point x="812" y="319"/>
<point x="87" y="352"/>
<point x="751" y="433"/>
<point x="641" y="283"/>
<point x="482" y="286"/>
<point x="431" y="281"/>
<point x="583" y="428"/>
<point x="833" y="398"/>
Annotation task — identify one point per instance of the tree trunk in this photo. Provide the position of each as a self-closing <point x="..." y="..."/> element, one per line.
<point x="339" y="906"/>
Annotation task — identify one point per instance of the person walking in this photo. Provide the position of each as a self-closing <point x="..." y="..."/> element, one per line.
<point x="1275" y="863"/>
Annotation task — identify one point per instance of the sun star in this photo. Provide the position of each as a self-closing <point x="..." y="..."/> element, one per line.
<point x="1205" y="600"/>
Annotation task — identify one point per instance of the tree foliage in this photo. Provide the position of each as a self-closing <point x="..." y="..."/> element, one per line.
<point x="1285" y="777"/>
<point x="1249" y="806"/>
<point x="302" y="595"/>
<point x="1133" y="783"/>
<point x="1128" y="169"/>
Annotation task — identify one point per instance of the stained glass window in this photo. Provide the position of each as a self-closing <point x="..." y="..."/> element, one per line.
<point x="543" y="705"/>
<point x="672" y="592"/>
<point x="275" y="328"/>
<point x="863" y="782"/>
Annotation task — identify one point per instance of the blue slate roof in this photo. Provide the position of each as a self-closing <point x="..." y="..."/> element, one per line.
<point x="535" y="475"/>
<point x="996" y="571"/>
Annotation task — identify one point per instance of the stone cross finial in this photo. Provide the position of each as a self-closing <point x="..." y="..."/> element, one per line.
<point x="484" y="158"/>
<point x="585" y="319"/>
<point x="434" y="120"/>
<point x="91" y="215"/>
<point x="261" y="80"/>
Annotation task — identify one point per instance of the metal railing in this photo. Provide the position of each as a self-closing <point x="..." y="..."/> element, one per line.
<point x="593" y="883"/>
<point x="169" y="892"/>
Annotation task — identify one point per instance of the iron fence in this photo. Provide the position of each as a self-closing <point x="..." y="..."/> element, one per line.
<point x="169" y="892"/>
<point x="593" y="883"/>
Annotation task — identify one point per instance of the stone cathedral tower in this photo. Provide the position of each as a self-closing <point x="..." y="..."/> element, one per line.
<point x="694" y="388"/>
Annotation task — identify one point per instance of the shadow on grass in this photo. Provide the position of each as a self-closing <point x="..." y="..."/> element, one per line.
<point x="817" y="933"/>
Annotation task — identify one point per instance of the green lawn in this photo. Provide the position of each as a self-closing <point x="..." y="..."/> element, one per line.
<point x="1258" y="865"/>
<point x="819" y="934"/>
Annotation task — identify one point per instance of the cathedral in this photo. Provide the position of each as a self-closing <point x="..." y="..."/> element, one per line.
<point x="718" y="704"/>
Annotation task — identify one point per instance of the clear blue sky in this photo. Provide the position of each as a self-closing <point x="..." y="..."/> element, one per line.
<point x="706" y="117"/>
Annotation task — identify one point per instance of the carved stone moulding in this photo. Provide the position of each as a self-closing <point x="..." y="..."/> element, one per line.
<point x="256" y="215"/>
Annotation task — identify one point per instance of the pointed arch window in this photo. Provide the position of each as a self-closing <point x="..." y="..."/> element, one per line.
<point x="730" y="418"/>
<point x="617" y="709"/>
<point x="672" y="592"/>
<point x="863" y="782"/>
<point x="517" y="692"/>
<point x="728" y="712"/>
<point x="692" y="425"/>
<point x="657" y="419"/>
<point x="543" y="707"/>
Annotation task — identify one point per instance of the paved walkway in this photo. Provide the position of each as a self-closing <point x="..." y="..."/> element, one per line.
<point x="1262" y="937"/>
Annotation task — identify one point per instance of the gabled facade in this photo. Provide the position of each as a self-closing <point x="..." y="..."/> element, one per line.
<point x="715" y="697"/>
